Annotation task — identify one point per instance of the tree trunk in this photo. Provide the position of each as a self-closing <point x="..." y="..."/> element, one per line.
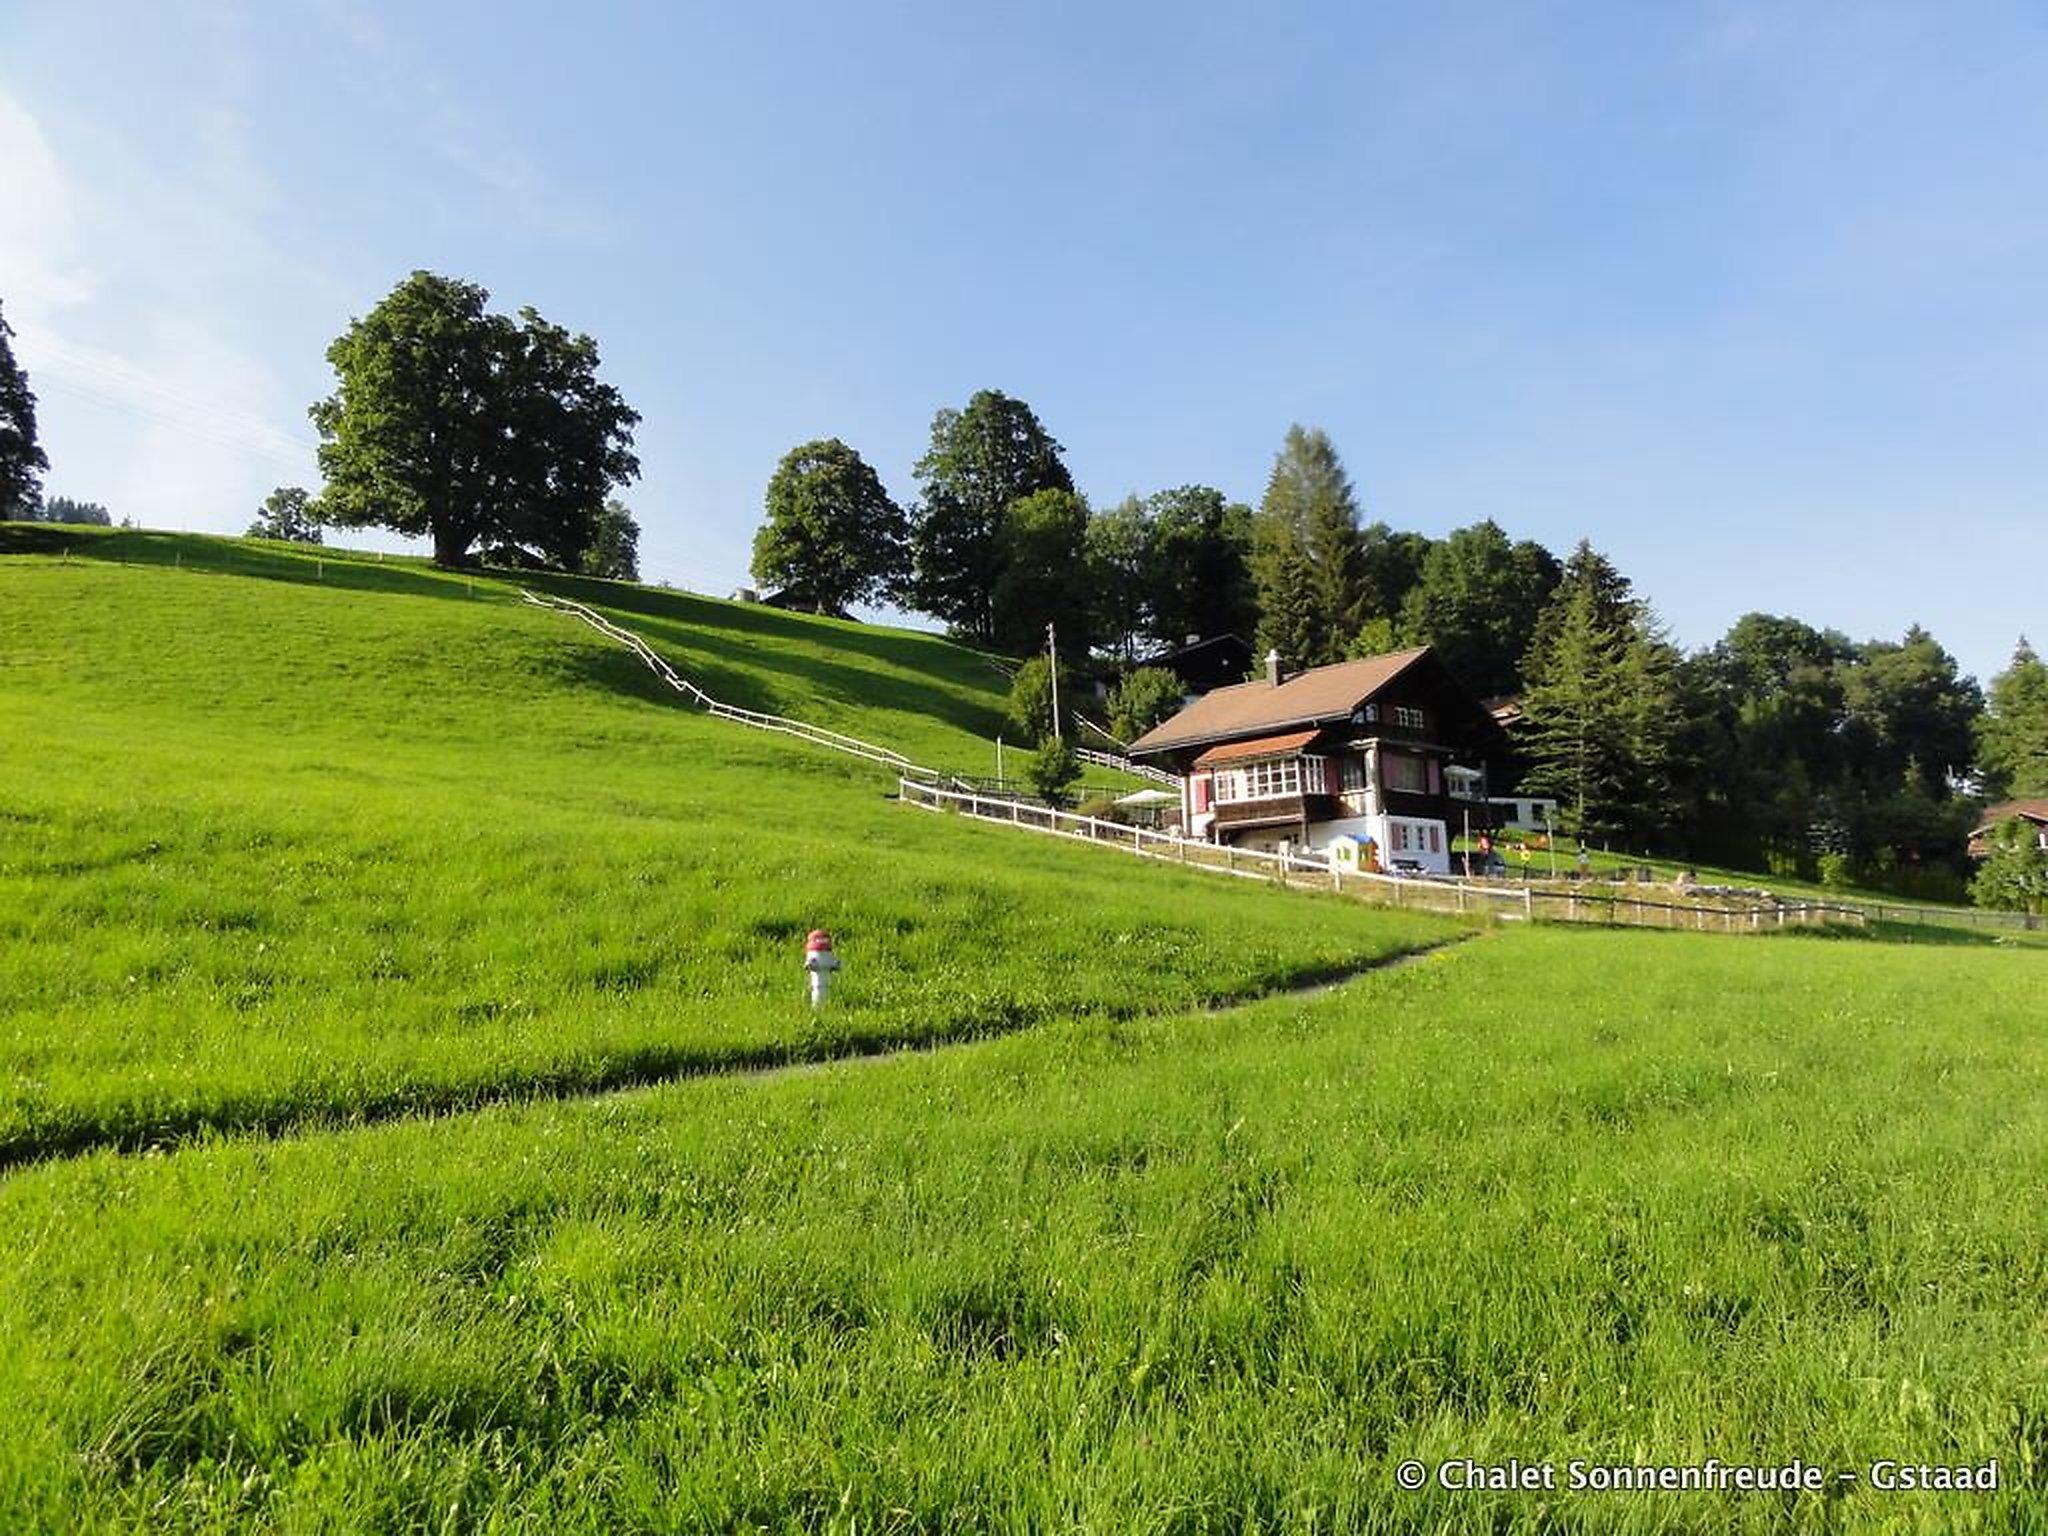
<point x="451" y="545"/>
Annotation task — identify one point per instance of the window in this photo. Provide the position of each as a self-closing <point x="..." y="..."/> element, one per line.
<point x="1269" y="778"/>
<point x="1399" y="770"/>
<point x="1409" y="718"/>
<point x="1354" y="772"/>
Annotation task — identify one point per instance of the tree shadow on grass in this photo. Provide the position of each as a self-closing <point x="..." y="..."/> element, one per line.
<point x="899" y="647"/>
<point x="737" y="652"/>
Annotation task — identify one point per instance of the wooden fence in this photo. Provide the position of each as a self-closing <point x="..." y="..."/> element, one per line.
<point x="1446" y="895"/>
<point x="1125" y="765"/>
<point x="817" y="735"/>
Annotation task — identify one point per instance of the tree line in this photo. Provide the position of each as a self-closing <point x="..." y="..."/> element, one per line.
<point x="1779" y="746"/>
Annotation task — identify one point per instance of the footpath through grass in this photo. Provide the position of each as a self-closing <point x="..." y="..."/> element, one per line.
<point x="280" y="850"/>
<point x="1621" y="1196"/>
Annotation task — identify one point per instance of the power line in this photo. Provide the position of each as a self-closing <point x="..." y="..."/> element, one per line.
<point x="114" y="383"/>
<point x="274" y="446"/>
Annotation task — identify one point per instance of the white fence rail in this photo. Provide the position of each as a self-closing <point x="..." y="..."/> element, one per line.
<point x="818" y="735"/>
<point x="1217" y="858"/>
<point x="1438" y="895"/>
<point x="1124" y="765"/>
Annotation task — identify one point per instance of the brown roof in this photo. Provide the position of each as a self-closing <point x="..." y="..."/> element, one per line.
<point x="2032" y="810"/>
<point x="1262" y="746"/>
<point x="1307" y="698"/>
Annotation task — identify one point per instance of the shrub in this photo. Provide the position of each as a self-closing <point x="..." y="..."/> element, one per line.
<point x="1143" y="699"/>
<point x="1052" y="770"/>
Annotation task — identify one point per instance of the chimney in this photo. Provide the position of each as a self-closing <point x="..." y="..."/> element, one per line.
<point x="1273" y="668"/>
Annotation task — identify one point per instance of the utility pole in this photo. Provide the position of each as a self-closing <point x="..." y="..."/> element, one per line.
<point x="1052" y="651"/>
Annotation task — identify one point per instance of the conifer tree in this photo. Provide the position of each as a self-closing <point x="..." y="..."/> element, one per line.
<point x="1601" y="714"/>
<point x="2012" y="735"/>
<point x="22" y="460"/>
<point x="1575" y="725"/>
<point x="1308" y="563"/>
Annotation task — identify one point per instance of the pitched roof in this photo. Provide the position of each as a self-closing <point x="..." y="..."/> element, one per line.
<point x="2032" y="810"/>
<point x="1261" y="746"/>
<point x="1307" y="698"/>
<point x="1173" y="653"/>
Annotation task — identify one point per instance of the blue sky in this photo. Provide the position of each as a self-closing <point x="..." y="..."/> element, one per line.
<point x="1755" y="297"/>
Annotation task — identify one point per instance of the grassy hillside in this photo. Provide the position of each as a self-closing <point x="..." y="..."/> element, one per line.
<point x="1626" y="1197"/>
<point x="291" y="840"/>
<point x="933" y="701"/>
<point x="280" y="847"/>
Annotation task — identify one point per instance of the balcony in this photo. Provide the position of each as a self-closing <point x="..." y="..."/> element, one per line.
<point x="1276" y="811"/>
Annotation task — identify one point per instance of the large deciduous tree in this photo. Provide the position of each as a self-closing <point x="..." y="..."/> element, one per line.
<point x="832" y="534"/>
<point x="463" y="426"/>
<point x="1121" y="558"/>
<point x="1202" y="582"/>
<point x="1908" y="703"/>
<point x="2012" y="737"/>
<point x="22" y="460"/>
<point x="1477" y="601"/>
<point x="981" y="461"/>
<point x="1042" y="578"/>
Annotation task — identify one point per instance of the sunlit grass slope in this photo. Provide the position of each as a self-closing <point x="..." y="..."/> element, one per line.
<point x="1627" y="1197"/>
<point x="937" y="703"/>
<point x="305" y="840"/>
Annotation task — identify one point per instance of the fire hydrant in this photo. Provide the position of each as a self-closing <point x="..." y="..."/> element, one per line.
<point x="820" y="962"/>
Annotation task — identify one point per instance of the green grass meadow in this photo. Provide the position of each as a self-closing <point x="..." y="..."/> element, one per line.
<point x="1757" y="1201"/>
<point x="274" y="852"/>
<point x="412" y="1122"/>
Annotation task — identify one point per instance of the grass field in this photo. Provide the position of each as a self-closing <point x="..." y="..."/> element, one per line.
<point x="1553" y="1194"/>
<point x="279" y="853"/>
<point x="275" y="851"/>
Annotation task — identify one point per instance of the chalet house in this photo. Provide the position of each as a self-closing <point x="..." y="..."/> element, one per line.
<point x="2033" y="812"/>
<point x="1388" y="751"/>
